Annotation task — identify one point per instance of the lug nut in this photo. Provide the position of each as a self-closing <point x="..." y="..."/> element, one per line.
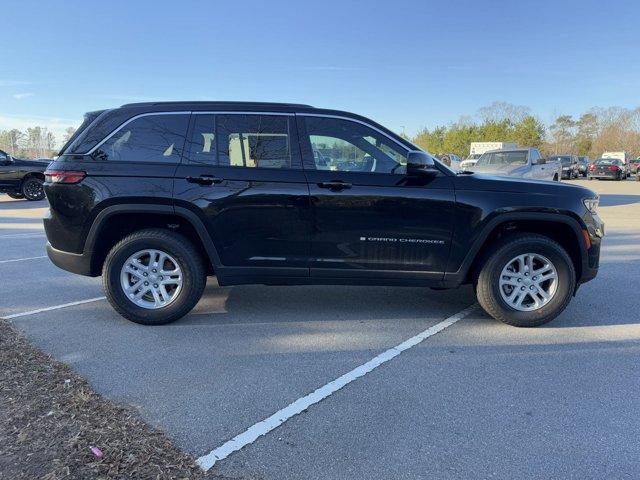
<point x="532" y="287"/>
<point x="145" y="274"/>
<point x="147" y="283"/>
<point x="535" y="278"/>
<point x="522" y="288"/>
<point x="160" y="277"/>
<point x="519" y="280"/>
<point x="155" y="285"/>
<point x="526" y="274"/>
<point x="154" y="270"/>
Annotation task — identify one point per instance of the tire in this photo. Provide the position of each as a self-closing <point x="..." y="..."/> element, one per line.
<point x="589" y="178"/>
<point x="488" y="288"/>
<point x="16" y="195"/>
<point x="32" y="189"/>
<point x="179" y="250"/>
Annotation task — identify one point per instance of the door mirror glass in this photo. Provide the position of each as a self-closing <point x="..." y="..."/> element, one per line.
<point x="419" y="163"/>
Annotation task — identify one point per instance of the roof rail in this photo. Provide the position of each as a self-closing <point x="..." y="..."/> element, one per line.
<point x="214" y="102"/>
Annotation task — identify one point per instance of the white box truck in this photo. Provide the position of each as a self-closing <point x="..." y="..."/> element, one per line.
<point x="478" y="148"/>
<point x="619" y="155"/>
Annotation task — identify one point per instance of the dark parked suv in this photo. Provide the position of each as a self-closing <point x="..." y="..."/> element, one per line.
<point x="156" y="196"/>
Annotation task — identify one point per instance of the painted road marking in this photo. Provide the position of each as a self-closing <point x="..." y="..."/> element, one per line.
<point x="55" y="307"/>
<point x="265" y="426"/>
<point x="22" y="235"/>
<point x="21" y="259"/>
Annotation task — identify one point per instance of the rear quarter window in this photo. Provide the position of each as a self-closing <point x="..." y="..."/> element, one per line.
<point x="156" y="138"/>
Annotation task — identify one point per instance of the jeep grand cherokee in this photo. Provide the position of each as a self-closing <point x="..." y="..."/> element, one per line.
<point x="156" y="196"/>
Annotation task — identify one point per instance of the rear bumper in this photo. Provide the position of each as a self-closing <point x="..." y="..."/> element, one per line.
<point x="79" y="263"/>
<point x="611" y="175"/>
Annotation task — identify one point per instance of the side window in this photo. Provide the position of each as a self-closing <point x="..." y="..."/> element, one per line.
<point x="3" y="157"/>
<point x="534" y="155"/>
<point x="203" y="145"/>
<point x="346" y="146"/>
<point x="253" y="141"/>
<point x="152" y="138"/>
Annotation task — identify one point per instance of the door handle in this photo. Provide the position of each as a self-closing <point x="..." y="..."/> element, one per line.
<point x="334" y="185"/>
<point x="204" y="180"/>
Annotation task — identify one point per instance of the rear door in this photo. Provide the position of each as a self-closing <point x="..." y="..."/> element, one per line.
<point x="372" y="220"/>
<point x="243" y="177"/>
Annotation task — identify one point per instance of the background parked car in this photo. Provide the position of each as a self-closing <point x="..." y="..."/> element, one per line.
<point x="611" y="168"/>
<point x="470" y="161"/>
<point x="451" y="160"/>
<point x="519" y="162"/>
<point x="583" y="165"/>
<point x="570" y="168"/>
<point x="634" y="166"/>
<point x="22" y="178"/>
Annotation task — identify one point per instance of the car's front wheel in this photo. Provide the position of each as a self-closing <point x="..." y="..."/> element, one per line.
<point x="32" y="189"/>
<point x="153" y="276"/>
<point x="527" y="280"/>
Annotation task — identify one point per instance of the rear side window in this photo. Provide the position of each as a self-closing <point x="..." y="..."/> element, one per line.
<point x="151" y="138"/>
<point x="253" y="141"/>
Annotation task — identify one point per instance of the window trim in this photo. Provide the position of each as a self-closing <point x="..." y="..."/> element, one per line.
<point x="311" y="166"/>
<point x="149" y="114"/>
<point x="182" y="112"/>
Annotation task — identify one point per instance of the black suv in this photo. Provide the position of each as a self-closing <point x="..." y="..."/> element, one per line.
<point x="156" y="196"/>
<point x="21" y="178"/>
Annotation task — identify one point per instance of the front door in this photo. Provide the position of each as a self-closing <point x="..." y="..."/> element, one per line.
<point x="371" y="219"/>
<point x="243" y="176"/>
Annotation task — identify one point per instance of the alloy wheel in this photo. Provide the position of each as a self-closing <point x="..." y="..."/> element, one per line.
<point x="528" y="282"/>
<point x="151" y="279"/>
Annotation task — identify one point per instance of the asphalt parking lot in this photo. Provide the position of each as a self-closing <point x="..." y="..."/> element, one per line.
<point x="478" y="400"/>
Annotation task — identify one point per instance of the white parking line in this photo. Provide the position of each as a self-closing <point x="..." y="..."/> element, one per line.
<point x="21" y="259"/>
<point x="55" y="307"/>
<point x="22" y="235"/>
<point x="265" y="426"/>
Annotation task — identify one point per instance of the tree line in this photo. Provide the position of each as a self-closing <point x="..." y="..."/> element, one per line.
<point x="33" y="142"/>
<point x="592" y="133"/>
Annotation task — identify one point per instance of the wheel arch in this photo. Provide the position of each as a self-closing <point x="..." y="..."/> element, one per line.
<point x="116" y="221"/>
<point x="561" y="228"/>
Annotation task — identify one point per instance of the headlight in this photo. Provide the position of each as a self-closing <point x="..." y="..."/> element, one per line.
<point x="591" y="204"/>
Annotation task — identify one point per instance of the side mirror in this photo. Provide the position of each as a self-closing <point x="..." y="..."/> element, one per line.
<point x="419" y="163"/>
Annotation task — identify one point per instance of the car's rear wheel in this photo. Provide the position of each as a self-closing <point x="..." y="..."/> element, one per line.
<point x="32" y="189"/>
<point x="15" y="195"/>
<point x="527" y="280"/>
<point x="153" y="276"/>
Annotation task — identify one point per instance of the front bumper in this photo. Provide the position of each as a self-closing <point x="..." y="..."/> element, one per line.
<point x="79" y="263"/>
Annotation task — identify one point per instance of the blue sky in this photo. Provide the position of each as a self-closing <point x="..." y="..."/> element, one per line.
<point x="404" y="63"/>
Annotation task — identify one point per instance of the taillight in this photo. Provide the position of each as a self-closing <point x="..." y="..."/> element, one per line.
<point x="613" y="168"/>
<point x="592" y="167"/>
<point x="64" y="176"/>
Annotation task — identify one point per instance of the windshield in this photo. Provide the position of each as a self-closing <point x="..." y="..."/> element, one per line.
<point x="565" y="160"/>
<point x="518" y="157"/>
<point x="606" y="161"/>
